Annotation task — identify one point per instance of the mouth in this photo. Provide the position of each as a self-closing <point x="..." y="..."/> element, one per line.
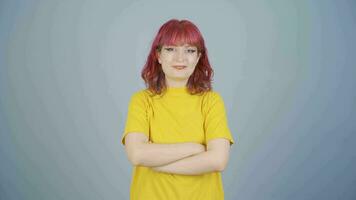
<point x="179" y="67"/>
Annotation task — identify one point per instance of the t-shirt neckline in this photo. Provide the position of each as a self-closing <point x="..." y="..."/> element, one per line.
<point x="177" y="90"/>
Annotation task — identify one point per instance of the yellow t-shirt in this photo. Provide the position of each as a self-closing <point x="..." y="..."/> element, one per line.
<point x="175" y="117"/>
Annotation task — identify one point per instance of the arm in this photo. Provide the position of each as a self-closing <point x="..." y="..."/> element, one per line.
<point x="214" y="159"/>
<point x="141" y="152"/>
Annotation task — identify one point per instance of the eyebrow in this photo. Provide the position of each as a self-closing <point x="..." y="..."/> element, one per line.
<point x="187" y="45"/>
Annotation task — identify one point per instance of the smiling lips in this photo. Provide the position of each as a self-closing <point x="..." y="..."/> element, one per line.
<point x="179" y="67"/>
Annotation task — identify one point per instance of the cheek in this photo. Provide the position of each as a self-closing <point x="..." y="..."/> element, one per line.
<point x="193" y="62"/>
<point x="191" y="70"/>
<point x="165" y="68"/>
<point x="167" y="58"/>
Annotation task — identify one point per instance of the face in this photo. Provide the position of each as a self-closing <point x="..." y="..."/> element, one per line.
<point x="178" y="63"/>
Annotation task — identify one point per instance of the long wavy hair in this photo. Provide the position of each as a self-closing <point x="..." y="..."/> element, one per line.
<point x="178" y="32"/>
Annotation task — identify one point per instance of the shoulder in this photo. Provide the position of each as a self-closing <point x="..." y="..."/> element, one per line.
<point x="212" y="99"/>
<point x="138" y="94"/>
<point x="213" y="105"/>
<point x="212" y="96"/>
<point x="142" y="95"/>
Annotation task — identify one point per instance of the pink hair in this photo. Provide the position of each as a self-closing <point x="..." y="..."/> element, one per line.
<point x="175" y="32"/>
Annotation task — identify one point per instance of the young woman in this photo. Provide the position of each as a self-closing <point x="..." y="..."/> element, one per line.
<point x="176" y="134"/>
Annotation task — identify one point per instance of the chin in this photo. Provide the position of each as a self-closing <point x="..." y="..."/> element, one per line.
<point x="179" y="77"/>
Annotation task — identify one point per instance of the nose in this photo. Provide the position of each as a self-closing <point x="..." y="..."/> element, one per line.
<point x="179" y="56"/>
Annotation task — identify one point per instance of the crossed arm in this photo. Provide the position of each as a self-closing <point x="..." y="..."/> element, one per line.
<point x="179" y="158"/>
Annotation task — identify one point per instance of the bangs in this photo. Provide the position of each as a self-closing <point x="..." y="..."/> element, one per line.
<point x="179" y="34"/>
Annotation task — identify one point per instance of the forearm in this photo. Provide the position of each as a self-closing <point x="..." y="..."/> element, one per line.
<point x="153" y="154"/>
<point x="201" y="163"/>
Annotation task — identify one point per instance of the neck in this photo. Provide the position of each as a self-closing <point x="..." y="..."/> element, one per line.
<point x="176" y="83"/>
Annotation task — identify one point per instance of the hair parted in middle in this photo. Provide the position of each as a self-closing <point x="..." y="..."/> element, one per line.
<point x="178" y="32"/>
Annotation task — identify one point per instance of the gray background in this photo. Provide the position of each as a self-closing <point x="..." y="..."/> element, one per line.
<point x="286" y="71"/>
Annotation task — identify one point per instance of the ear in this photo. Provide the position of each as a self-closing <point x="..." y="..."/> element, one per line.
<point x="199" y="55"/>
<point x="158" y="56"/>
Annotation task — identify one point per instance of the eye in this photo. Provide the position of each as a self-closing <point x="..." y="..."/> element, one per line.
<point x="191" y="50"/>
<point x="168" y="49"/>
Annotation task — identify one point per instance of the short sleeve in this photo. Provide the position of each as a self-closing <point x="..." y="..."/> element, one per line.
<point x="215" y="123"/>
<point x="137" y="118"/>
